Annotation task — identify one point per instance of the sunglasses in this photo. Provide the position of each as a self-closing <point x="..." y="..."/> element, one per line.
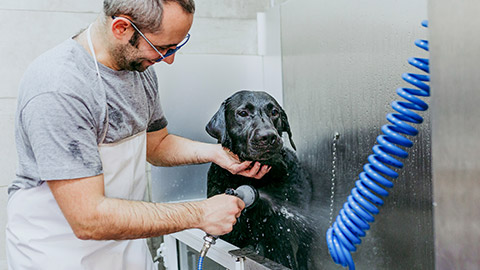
<point x="162" y="56"/>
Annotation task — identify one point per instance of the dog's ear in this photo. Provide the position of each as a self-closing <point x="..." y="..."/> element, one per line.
<point x="286" y="128"/>
<point x="216" y="125"/>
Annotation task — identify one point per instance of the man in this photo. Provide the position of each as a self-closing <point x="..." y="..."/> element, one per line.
<point x="88" y="117"/>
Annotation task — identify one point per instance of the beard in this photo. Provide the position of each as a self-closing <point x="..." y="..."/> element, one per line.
<point x="126" y="58"/>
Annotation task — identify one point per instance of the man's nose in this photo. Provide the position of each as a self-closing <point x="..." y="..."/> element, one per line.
<point x="169" y="60"/>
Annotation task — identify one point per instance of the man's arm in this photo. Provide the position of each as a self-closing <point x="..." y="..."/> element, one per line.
<point x="94" y="216"/>
<point x="164" y="149"/>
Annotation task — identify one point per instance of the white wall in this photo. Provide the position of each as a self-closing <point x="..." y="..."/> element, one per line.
<point x="30" y="27"/>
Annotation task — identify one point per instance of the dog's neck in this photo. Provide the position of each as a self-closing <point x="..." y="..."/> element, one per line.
<point x="277" y="163"/>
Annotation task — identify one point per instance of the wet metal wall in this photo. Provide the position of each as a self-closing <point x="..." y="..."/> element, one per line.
<point x="342" y="62"/>
<point x="455" y="54"/>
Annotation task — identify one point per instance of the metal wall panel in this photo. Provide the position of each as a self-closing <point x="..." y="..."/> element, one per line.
<point x="342" y="61"/>
<point x="455" y="55"/>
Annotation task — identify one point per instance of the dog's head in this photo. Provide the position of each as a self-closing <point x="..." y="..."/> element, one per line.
<point x="250" y="124"/>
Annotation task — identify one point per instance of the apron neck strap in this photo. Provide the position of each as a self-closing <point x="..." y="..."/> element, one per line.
<point x="100" y="81"/>
<point x="92" y="50"/>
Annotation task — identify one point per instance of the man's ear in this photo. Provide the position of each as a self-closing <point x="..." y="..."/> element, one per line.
<point x="121" y="29"/>
<point x="216" y="126"/>
<point x="286" y="127"/>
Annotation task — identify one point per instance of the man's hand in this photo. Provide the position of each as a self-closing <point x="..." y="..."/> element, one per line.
<point x="220" y="213"/>
<point x="232" y="163"/>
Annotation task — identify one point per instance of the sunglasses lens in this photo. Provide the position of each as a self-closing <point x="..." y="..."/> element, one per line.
<point x="180" y="45"/>
<point x="170" y="52"/>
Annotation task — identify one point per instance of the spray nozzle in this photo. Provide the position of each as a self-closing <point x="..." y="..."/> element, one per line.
<point x="247" y="193"/>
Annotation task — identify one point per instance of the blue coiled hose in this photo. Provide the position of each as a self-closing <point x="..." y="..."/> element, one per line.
<point x="361" y="205"/>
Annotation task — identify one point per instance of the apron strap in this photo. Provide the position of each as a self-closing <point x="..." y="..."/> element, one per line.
<point x="92" y="50"/>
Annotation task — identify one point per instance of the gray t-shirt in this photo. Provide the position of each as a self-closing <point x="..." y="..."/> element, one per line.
<point x="61" y="114"/>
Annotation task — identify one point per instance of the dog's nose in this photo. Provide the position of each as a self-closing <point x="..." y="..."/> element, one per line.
<point x="266" y="137"/>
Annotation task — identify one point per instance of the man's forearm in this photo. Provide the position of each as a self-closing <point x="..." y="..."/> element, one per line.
<point x="91" y="215"/>
<point x="174" y="150"/>
<point x="116" y="219"/>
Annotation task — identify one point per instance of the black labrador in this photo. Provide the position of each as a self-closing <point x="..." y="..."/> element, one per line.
<point x="250" y="124"/>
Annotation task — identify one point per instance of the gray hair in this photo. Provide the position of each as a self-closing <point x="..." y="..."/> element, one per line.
<point x="147" y="14"/>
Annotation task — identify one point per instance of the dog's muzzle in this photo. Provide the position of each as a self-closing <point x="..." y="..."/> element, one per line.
<point x="264" y="144"/>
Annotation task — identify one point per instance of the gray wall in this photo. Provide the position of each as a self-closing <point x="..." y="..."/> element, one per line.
<point x="342" y="62"/>
<point x="455" y="55"/>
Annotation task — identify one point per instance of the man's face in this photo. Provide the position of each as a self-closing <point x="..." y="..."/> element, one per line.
<point x="129" y="57"/>
<point x="139" y="55"/>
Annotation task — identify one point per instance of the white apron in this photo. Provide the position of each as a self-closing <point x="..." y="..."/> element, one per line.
<point x="39" y="237"/>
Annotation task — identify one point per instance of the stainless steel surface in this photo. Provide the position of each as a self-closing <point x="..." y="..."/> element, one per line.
<point x="455" y="84"/>
<point x="342" y="61"/>
<point x="253" y="261"/>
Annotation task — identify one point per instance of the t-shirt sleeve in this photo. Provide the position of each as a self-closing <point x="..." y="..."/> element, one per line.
<point x="157" y="119"/>
<point x="62" y="134"/>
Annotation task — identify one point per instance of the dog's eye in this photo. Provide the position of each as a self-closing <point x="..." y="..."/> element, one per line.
<point x="243" y="113"/>
<point x="275" y="112"/>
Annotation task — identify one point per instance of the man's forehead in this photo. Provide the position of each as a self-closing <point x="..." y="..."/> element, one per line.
<point x="174" y="17"/>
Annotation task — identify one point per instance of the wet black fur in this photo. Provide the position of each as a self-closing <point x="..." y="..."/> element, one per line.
<point x="277" y="227"/>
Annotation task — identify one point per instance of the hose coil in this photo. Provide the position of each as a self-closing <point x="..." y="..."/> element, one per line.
<point x="361" y="205"/>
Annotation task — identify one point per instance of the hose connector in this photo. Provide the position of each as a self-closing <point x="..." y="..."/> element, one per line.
<point x="249" y="195"/>
<point x="209" y="240"/>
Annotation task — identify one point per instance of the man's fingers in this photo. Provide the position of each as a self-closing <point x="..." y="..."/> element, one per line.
<point x="252" y="172"/>
<point x="246" y="169"/>
<point x="257" y="171"/>
<point x="265" y="169"/>
<point x="241" y="167"/>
